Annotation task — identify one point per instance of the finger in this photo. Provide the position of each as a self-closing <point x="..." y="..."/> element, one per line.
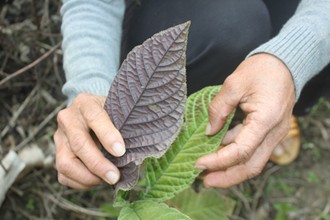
<point x="244" y="145"/>
<point x="239" y="173"/>
<point x="83" y="146"/>
<point x="231" y="135"/>
<point x="67" y="164"/>
<point x="226" y="178"/>
<point x="99" y="121"/>
<point x="222" y="105"/>
<point x="253" y="167"/>
<point x="70" y="183"/>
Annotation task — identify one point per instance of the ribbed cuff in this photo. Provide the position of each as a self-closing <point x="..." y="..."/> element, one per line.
<point x="91" y="83"/>
<point x="297" y="48"/>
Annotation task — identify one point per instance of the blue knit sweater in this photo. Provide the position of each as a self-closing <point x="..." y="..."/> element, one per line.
<point x="92" y="34"/>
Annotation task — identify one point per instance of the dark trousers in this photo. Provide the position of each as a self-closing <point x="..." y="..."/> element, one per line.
<point x="222" y="33"/>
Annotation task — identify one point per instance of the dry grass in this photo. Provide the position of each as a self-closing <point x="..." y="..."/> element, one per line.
<point x="31" y="78"/>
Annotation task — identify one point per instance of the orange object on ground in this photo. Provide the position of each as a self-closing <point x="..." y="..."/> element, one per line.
<point x="287" y="151"/>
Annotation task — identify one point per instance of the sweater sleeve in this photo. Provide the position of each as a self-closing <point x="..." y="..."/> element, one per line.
<point x="91" y="45"/>
<point x="303" y="43"/>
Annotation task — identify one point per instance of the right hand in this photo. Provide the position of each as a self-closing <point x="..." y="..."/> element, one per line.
<point x="263" y="87"/>
<point x="79" y="161"/>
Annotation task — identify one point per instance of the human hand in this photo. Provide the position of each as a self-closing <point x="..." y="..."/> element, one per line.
<point x="79" y="161"/>
<point x="263" y="88"/>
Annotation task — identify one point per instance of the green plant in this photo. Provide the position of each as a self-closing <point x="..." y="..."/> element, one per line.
<point x="164" y="133"/>
<point x="312" y="177"/>
<point x="283" y="209"/>
<point x="30" y="205"/>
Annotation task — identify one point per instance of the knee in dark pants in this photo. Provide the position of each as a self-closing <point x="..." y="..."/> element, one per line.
<point x="317" y="87"/>
<point x="222" y="33"/>
<point x="218" y="46"/>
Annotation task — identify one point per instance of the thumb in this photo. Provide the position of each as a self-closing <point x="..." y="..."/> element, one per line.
<point x="222" y="105"/>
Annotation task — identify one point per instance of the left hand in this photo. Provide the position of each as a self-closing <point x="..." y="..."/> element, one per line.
<point x="79" y="160"/>
<point x="263" y="88"/>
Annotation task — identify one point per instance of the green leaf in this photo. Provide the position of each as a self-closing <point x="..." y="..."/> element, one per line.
<point x="175" y="171"/>
<point x="283" y="209"/>
<point x="208" y="204"/>
<point x="147" y="209"/>
<point x="121" y="199"/>
<point x="110" y="209"/>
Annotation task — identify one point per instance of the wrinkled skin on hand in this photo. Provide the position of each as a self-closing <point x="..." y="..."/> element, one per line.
<point x="79" y="161"/>
<point x="263" y="88"/>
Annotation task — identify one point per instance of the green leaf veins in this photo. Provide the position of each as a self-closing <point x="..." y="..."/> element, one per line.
<point x="175" y="171"/>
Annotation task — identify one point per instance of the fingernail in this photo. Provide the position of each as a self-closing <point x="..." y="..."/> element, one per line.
<point x="200" y="167"/>
<point x="119" y="149"/>
<point x="111" y="177"/>
<point x="208" y="129"/>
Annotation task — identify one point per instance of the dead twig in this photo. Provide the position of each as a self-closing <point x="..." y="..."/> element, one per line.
<point x="34" y="63"/>
<point x="4" y="63"/>
<point x="261" y="186"/>
<point x="16" y="114"/>
<point x="48" y="47"/>
<point x="35" y="14"/>
<point x="41" y="126"/>
<point x="17" y="191"/>
<point x="56" y="70"/>
<point x="242" y="198"/>
<point x="67" y="205"/>
<point x="28" y="215"/>
<point x="321" y="127"/>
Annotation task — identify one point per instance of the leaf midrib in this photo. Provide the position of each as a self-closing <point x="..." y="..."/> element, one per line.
<point x="149" y="79"/>
<point x="171" y="161"/>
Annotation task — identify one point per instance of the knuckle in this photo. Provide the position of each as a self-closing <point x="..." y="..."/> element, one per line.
<point x="220" y="158"/>
<point x="62" y="116"/>
<point x="229" y="81"/>
<point x="111" y="135"/>
<point x="262" y="123"/>
<point x="93" y="114"/>
<point x="263" y="119"/>
<point x="243" y="155"/>
<point x="95" y="166"/>
<point x="212" y="108"/>
<point x="63" y="167"/>
<point x="78" y="143"/>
